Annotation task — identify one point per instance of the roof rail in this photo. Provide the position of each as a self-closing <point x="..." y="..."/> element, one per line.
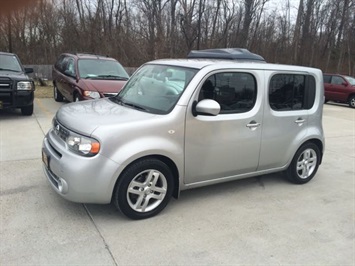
<point x="87" y="53"/>
<point x="239" y="54"/>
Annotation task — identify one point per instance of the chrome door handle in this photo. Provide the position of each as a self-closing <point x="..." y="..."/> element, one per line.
<point x="253" y="125"/>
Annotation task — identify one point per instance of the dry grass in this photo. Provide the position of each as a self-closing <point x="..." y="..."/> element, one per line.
<point x="44" y="91"/>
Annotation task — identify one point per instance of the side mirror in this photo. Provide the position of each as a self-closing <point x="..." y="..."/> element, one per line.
<point x="344" y="84"/>
<point x="28" y="70"/>
<point x="206" y="107"/>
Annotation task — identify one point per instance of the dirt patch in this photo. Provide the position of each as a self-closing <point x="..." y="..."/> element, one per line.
<point x="44" y="91"/>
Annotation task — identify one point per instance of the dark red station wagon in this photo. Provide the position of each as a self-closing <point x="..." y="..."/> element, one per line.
<point x="339" y="88"/>
<point x="78" y="77"/>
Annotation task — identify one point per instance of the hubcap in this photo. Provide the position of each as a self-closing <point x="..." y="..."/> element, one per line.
<point x="147" y="190"/>
<point x="55" y="92"/>
<point x="306" y="163"/>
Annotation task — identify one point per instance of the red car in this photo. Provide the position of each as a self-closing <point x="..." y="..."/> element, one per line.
<point x="339" y="88"/>
<point x="78" y="77"/>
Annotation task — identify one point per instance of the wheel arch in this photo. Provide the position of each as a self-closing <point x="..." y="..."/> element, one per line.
<point x="172" y="166"/>
<point x="320" y="146"/>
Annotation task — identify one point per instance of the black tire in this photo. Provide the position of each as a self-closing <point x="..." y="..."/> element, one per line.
<point x="325" y="100"/>
<point x="58" y="97"/>
<point x="76" y="97"/>
<point x="146" y="182"/>
<point x="352" y="101"/>
<point x="304" y="164"/>
<point x="27" y="110"/>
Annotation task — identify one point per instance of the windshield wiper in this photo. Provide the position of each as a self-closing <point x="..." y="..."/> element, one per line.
<point x="118" y="100"/>
<point x="113" y="76"/>
<point x="135" y="106"/>
<point x="12" y="70"/>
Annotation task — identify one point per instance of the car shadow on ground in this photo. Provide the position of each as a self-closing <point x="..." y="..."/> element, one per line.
<point x="193" y="196"/>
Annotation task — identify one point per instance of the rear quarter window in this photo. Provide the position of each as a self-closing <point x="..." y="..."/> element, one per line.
<point x="289" y="92"/>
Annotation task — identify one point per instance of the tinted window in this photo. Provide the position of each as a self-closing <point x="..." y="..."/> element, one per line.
<point x="326" y="78"/>
<point x="59" y="64"/>
<point x="70" y="67"/>
<point x="235" y="92"/>
<point x="337" y="80"/>
<point x="291" y="92"/>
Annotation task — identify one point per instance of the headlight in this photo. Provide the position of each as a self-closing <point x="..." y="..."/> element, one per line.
<point x="92" y="94"/>
<point x="24" y="86"/>
<point x="77" y="143"/>
<point x="82" y="145"/>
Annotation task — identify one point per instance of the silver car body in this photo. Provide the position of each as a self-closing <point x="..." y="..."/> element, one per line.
<point x="201" y="150"/>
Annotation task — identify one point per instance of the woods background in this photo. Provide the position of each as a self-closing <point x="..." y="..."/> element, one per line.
<point x="318" y="33"/>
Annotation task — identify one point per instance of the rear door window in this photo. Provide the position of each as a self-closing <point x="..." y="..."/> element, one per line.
<point x="336" y="80"/>
<point x="289" y="92"/>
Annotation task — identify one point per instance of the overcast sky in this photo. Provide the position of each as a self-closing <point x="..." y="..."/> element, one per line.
<point x="280" y="5"/>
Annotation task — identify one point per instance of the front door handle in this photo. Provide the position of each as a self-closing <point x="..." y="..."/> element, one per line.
<point x="253" y="125"/>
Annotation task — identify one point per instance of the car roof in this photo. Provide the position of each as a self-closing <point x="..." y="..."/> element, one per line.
<point x="5" y="53"/>
<point x="89" y="56"/>
<point x="229" y="64"/>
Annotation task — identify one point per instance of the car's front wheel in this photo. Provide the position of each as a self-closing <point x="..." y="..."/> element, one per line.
<point x="27" y="110"/>
<point x="58" y="97"/>
<point x="352" y="101"/>
<point x="304" y="164"/>
<point x="144" y="189"/>
<point x="76" y="97"/>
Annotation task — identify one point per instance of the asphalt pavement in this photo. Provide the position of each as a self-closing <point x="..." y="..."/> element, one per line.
<point x="255" y="221"/>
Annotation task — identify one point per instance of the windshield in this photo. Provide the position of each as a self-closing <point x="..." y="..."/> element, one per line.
<point x="351" y="80"/>
<point x="155" y="88"/>
<point x="101" y="69"/>
<point x="9" y="63"/>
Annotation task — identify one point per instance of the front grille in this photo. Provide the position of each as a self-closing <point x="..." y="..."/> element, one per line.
<point x="62" y="132"/>
<point x="5" y="84"/>
<point x="52" y="177"/>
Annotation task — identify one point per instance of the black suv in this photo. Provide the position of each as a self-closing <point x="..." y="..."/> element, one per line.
<point x="16" y="88"/>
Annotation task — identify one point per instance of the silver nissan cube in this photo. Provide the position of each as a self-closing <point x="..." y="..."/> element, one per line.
<point x="186" y="123"/>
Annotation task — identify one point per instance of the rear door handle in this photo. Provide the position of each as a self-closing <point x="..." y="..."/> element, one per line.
<point x="253" y="125"/>
<point x="300" y="121"/>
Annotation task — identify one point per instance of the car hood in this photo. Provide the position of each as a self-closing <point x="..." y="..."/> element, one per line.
<point x="110" y="86"/>
<point x="14" y="75"/>
<point x="84" y="117"/>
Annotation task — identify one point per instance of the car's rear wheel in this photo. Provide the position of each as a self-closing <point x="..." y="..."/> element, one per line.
<point x="27" y="110"/>
<point x="144" y="189"/>
<point x="58" y="97"/>
<point x="304" y="164"/>
<point x="352" y="101"/>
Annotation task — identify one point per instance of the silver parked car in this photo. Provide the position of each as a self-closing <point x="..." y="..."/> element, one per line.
<point x="181" y="124"/>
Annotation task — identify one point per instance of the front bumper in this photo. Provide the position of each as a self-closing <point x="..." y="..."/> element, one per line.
<point x="15" y="99"/>
<point x="77" y="178"/>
